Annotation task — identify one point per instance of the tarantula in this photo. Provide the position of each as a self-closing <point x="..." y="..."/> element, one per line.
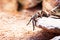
<point x="34" y="18"/>
<point x="42" y="14"/>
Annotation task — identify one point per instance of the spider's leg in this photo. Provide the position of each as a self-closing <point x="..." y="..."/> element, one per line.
<point x="33" y="23"/>
<point x="32" y="18"/>
<point x="29" y="21"/>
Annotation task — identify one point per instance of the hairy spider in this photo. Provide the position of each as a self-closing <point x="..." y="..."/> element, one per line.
<point x="42" y="14"/>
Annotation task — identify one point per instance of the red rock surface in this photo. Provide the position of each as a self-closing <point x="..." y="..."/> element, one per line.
<point x="13" y="23"/>
<point x="29" y="3"/>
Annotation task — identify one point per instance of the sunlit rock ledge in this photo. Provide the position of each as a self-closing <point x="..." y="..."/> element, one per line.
<point x="48" y="22"/>
<point x="56" y="38"/>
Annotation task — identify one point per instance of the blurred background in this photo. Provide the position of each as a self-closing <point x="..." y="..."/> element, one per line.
<point x="15" y="14"/>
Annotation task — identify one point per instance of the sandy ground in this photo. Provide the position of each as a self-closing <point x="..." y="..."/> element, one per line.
<point x="13" y="26"/>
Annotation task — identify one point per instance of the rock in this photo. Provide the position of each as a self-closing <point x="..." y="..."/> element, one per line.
<point x="56" y="38"/>
<point x="43" y="35"/>
<point x="8" y="5"/>
<point x="51" y="24"/>
<point x="29" y="3"/>
<point x="48" y="5"/>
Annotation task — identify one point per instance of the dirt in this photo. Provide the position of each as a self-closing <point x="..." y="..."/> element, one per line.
<point x="13" y="25"/>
